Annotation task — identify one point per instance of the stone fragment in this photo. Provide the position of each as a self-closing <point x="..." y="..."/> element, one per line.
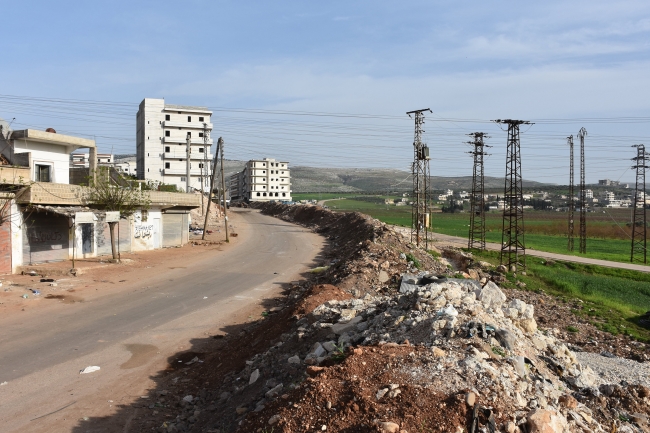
<point x="388" y="427"/>
<point x="470" y="399"/>
<point x="241" y="410"/>
<point x="340" y="328"/>
<point x="491" y="296"/>
<point x="528" y="325"/>
<point x="254" y="376"/>
<point x="381" y="393"/>
<point x="506" y="338"/>
<point x="313" y="370"/>
<point x="274" y="392"/>
<point x="294" y="360"/>
<point x="330" y="346"/>
<point x="274" y="419"/>
<point x="438" y="352"/>
<point x="568" y="401"/>
<point x="545" y="421"/>
<point x="383" y="276"/>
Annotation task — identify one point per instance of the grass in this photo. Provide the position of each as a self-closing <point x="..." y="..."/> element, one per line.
<point x="544" y="230"/>
<point x="411" y="258"/>
<point x="610" y="299"/>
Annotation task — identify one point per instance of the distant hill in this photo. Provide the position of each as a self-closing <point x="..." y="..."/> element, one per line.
<point x="312" y="179"/>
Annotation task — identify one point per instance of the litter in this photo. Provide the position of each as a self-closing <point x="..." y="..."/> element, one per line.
<point x="89" y="369"/>
<point x="4" y="383"/>
<point x="205" y="297"/>
<point x="35" y="292"/>
<point x="195" y="359"/>
<point x="47" y="280"/>
<point x="25" y="296"/>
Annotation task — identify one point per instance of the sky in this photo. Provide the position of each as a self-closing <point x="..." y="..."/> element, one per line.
<point x="329" y="83"/>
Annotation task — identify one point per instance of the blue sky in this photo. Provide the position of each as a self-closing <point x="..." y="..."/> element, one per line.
<point x="467" y="61"/>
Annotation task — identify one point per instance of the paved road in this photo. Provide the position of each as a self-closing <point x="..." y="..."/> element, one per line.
<point x="41" y="357"/>
<point x="462" y="242"/>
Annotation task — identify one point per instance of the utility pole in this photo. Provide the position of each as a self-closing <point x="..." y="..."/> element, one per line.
<point x="477" y="199"/>
<point x="571" y="194"/>
<point x="223" y="194"/>
<point x="583" y="195"/>
<point x="187" y="163"/>
<point x="214" y="170"/>
<point x="639" y="224"/>
<point x="420" y="172"/>
<point x="513" y="247"/>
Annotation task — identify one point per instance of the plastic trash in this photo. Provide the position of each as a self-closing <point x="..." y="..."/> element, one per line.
<point x="89" y="369"/>
<point x="4" y="383"/>
<point x="35" y="292"/>
<point x="25" y="296"/>
<point x="449" y="310"/>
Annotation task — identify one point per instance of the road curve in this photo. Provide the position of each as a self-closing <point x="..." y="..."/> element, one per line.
<point x="40" y="359"/>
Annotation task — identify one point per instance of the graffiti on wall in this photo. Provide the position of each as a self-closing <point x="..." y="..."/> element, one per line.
<point x="143" y="231"/>
<point x="42" y="236"/>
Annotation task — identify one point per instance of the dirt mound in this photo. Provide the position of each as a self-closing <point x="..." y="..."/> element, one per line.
<point x="373" y="343"/>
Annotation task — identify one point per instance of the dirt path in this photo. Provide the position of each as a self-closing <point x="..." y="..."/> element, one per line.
<point x="462" y="243"/>
<point x="133" y="319"/>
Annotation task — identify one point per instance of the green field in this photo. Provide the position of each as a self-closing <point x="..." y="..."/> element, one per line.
<point x="612" y="299"/>
<point x="545" y="231"/>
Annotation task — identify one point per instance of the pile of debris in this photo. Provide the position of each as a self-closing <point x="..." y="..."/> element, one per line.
<point x="419" y="351"/>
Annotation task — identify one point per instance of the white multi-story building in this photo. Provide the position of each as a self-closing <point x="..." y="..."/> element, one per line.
<point x="262" y="180"/>
<point x="161" y="139"/>
<point x="589" y="193"/>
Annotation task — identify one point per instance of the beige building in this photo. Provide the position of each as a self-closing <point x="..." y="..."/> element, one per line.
<point x="262" y="180"/>
<point x="161" y="144"/>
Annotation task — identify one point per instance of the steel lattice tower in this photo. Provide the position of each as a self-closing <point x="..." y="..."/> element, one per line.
<point x="513" y="249"/>
<point x="639" y="226"/>
<point x="421" y="182"/>
<point x="477" y="199"/>
<point x="571" y="203"/>
<point x="583" y="196"/>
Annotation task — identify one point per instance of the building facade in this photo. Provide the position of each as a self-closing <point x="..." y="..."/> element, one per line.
<point x="262" y="180"/>
<point x="161" y="144"/>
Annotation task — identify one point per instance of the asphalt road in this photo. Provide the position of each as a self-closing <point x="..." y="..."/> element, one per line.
<point x="41" y="355"/>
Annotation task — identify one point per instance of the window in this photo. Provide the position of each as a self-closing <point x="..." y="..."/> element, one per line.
<point x="168" y="117"/>
<point x="200" y="134"/>
<point x="189" y="134"/>
<point x="200" y="119"/>
<point x="167" y="165"/>
<point x="258" y="194"/>
<point x="167" y="149"/>
<point x="147" y="153"/>
<point x="264" y="171"/>
<point x="167" y="133"/>
<point x="189" y="118"/>
<point x="200" y="165"/>
<point x="264" y="194"/>
<point x="42" y="173"/>
<point x="183" y="177"/>
<point x="145" y="215"/>
<point x="201" y="150"/>
<point x="276" y="194"/>
<point x="284" y="194"/>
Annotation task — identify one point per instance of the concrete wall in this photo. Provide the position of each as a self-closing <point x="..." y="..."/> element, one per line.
<point x="16" y="237"/>
<point x="56" y="156"/>
<point x="146" y="234"/>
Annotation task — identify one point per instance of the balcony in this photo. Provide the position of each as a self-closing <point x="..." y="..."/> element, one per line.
<point x="185" y="125"/>
<point x="183" y="140"/>
<point x="177" y="154"/>
<point x="182" y="172"/>
<point x="14" y="175"/>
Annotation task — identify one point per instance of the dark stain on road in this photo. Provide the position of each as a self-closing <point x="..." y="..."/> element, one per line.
<point x="140" y="355"/>
<point x="67" y="299"/>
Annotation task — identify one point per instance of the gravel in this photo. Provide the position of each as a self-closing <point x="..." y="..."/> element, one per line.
<point x="615" y="370"/>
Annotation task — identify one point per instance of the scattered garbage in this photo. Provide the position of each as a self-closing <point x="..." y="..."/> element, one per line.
<point x="4" y="383"/>
<point x="89" y="369"/>
<point x="47" y="280"/>
<point x="35" y="291"/>
<point x="195" y="359"/>
<point x="25" y="296"/>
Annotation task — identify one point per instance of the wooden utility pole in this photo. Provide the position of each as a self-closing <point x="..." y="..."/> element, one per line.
<point x="214" y="170"/>
<point x="223" y="194"/>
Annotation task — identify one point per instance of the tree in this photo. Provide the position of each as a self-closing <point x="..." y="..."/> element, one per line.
<point x="103" y="192"/>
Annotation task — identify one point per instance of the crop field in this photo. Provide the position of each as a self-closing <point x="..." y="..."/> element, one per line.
<point x="613" y="298"/>
<point x="608" y="233"/>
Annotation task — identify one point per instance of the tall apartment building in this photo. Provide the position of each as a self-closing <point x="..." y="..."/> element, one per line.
<point x="262" y="180"/>
<point x="161" y="138"/>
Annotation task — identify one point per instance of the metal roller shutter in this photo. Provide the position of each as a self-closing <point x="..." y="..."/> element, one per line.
<point x="46" y="238"/>
<point x="172" y="229"/>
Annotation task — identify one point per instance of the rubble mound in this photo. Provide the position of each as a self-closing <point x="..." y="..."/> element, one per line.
<point x="364" y="255"/>
<point x="441" y="355"/>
